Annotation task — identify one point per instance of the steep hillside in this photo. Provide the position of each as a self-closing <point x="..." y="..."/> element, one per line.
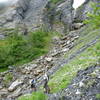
<point x="39" y="37"/>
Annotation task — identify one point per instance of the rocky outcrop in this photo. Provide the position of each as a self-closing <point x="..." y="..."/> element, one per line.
<point x="80" y="14"/>
<point x="84" y="87"/>
<point x="23" y="13"/>
<point x="59" y="16"/>
<point x="13" y="13"/>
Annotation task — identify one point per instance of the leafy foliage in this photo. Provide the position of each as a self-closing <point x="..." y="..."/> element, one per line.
<point x="94" y="16"/>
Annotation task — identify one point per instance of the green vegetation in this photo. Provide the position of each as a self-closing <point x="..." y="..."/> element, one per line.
<point x="62" y="78"/>
<point x="98" y="96"/>
<point x="34" y="96"/>
<point x="18" y="49"/>
<point x="94" y="16"/>
<point x="55" y="1"/>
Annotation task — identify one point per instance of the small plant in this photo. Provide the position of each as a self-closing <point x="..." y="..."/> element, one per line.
<point x="34" y="96"/>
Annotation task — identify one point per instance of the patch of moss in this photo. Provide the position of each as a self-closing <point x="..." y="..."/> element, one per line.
<point x="34" y="96"/>
<point x="98" y="96"/>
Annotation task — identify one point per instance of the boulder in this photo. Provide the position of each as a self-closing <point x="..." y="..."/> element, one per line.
<point x="15" y="84"/>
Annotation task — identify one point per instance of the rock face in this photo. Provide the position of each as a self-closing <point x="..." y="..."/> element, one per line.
<point x="59" y="14"/>
<point x="84" y="87"/>
<point x="81" y="12"/>
<point x="32" y="14"/>
<point x="13" y="13"/>
<point x="20" y="12"/>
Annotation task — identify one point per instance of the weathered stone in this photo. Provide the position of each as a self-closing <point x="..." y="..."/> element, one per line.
<point x="48" y="59"/>
<point x="15" y="84"/>
<point x="3" y="92"/>
<point x="15" y="94"/>
<point x="77" y="25"/>
<point x="66" y="49"/>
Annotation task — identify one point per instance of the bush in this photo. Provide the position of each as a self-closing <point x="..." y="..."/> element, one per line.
<point x="34" y="96"/>
<point x="94" y="16"/>
<point x="17" y="49"/>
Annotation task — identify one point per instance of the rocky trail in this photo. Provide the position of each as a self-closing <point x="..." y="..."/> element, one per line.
<point x="49" y="63"/>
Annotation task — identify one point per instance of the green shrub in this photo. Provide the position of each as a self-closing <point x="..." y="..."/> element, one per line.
<point x="34" y="96"/>
<point x="94" y="16"/>
<point x="17" y="49"/>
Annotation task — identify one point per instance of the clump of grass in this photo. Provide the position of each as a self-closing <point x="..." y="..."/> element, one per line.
<point x="34" y="96"/>
<point x="17" y="49"/>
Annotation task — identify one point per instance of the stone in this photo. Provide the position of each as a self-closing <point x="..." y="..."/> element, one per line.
<point x="68" y="42"/>
<point x="48" y="59"/>
<point x="15" y="84"/>
<point x="15" y="94"/>
<point x="3" y="91"/>
<point x="81" y="84"/>
<point x="77" y="25"/>
<point x="66" y="49"/>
